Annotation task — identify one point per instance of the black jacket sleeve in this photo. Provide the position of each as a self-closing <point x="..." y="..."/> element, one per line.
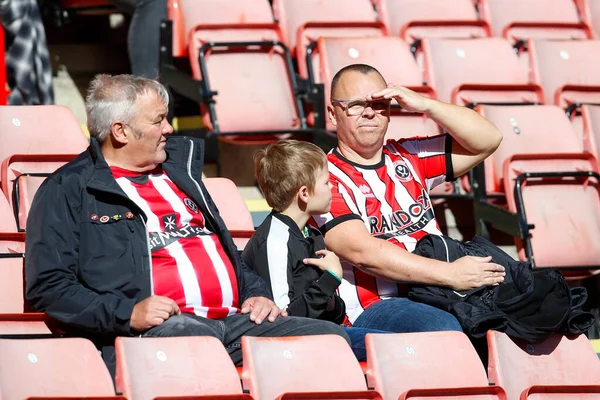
<point x="310" y="301"/>
<point x="251" y="284"/>
<point x="51" y="282"/>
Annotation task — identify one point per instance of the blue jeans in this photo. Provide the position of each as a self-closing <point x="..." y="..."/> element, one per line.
<point x="357" y="339"/>
<point x="400" y="315"/>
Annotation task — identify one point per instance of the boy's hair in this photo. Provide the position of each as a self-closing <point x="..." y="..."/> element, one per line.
<point x="284" y="167"/>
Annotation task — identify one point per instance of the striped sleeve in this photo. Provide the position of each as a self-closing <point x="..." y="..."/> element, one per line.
<point x="431" y="157"/>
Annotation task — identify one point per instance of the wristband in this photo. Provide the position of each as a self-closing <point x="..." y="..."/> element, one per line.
<point x="334" y="275"/>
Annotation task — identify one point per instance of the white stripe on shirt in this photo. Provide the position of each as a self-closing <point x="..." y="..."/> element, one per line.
<point x="277" y="258"/>
<point x="153" y="224"/>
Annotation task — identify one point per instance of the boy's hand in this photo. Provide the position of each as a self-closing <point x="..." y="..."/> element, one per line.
<point x="328" y="261"/>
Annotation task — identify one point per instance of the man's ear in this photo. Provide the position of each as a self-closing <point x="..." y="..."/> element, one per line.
<point x="120" y="132"/>
<point x="331" y="114"/>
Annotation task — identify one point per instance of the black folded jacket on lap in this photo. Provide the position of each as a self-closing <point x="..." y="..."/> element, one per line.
<point x="528" y="305"/>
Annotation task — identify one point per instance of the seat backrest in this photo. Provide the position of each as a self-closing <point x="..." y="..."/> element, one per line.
<point x="292" y="14"/>
<point x="3" y="92"/>
<point x="559" y="360"/>
<point x="39" y="130"/>
<point x="450" y="63"/>
<point x="591" y="128"/>
<point x="187" y="14"/>
<point x="567" y="205"/>
<point x="556" y="63"/>
<point x="553" y="13"/>
<point x="230" y="203"/>
<point x="174" y="366"/>
<point x="11" y="285"/>
<point x="403" y="361"/>
<point x="7" y="216"/>
<point x="255" y="91"/>
<point x="62" y="368"/>
<point x="590" y="13"/>
<point x="232" y="208"/>
<point x="528" y="130"/>
<point x="274" y="366"/>
<point x="405" y="125"/>
<point x="398" y="14"/>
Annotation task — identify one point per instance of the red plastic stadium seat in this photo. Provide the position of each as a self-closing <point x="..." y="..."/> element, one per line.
<point x="148" y="368"/>
<point x="565" y="211"/>
<point x="559" y="368"/>
<point x="52" y="368"/>
<point x="13" y="319"/>
<point x="591" y="129"/>
<point x="232" y="209"/>
<point x="589" y="11"/>
<point x="418" y="19"/>
<point x="407" y="125"/>
<point x="246" y="82"/>
<point x="22" y="175"/>
<point x="427" y="364"/>
<point x="7" y="217"/>
<point x="25" y="147"/>
<point x="306" y="367"/>
<point x="536" y="19"/>
<point x="3" y="89"/>
<point x="221" y="16"/>
<point x="20" y="131"/>
<point x="477" y="70"/>
<point x="527" y="130"/>
<point x="303" y="22"/>
<point x="566" y="69"/>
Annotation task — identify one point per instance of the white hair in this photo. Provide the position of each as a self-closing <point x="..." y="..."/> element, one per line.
<point x="112" y="98"/>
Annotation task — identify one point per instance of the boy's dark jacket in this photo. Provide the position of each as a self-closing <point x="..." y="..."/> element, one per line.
<point x="277" y="248"/>
<point x="527" y="305"/>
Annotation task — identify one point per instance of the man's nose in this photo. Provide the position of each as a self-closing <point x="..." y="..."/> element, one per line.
<point x="168" y="129"/>
<point x="368" y="111"/>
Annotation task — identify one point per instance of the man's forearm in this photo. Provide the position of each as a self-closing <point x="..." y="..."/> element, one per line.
<point x="383" y="259"/>
<point x="472" y="131"/>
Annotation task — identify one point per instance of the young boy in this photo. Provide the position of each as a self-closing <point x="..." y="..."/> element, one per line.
<point x="285" y="251"/>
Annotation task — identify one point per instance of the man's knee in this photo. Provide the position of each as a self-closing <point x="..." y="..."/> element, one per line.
<point x="446" y="322"/>
<point x="181" y="325"/>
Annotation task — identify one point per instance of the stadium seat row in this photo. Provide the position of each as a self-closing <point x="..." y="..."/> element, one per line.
<point x="440" y="365"/>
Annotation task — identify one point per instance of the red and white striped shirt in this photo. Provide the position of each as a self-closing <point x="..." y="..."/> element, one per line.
<point x="392" y="200"/>
<point x="189" y="264"/>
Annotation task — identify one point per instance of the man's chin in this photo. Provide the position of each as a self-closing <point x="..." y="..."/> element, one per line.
<point x="161" y="157"/>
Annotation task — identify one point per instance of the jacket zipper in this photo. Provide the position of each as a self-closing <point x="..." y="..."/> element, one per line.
<point x="149" y="256"/>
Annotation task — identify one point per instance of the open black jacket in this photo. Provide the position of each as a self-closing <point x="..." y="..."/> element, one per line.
<point x="88" y="275"/>
<point x="527" y="305"/>
<point x="276" y="251"/>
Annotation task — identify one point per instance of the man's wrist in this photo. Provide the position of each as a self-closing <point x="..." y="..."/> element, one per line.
<point x="430" y="107"/>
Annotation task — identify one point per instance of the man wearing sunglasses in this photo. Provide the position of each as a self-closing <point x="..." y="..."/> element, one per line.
<point x="381" y="191"/>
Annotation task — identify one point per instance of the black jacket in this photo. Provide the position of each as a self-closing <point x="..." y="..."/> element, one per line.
<point x="88" y="275"/>
<point x="527" y="305"/>
<point x="276" y="251"/>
